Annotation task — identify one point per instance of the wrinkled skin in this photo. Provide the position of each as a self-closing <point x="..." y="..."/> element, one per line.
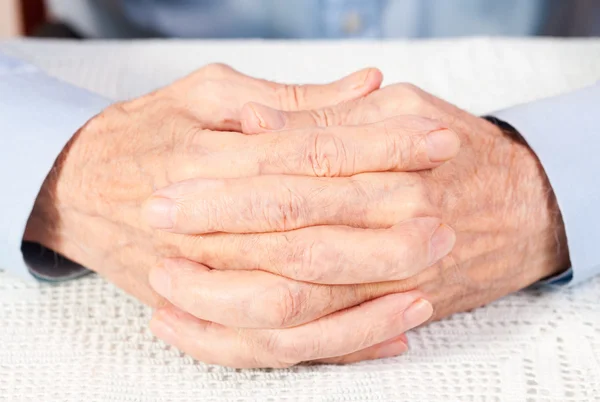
<point x="494" y="194"/>
<point x="89" y="206"/>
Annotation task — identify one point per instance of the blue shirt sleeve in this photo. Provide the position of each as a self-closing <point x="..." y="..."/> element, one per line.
<point x="38" y="115"/>
<point x="564" y="133"/>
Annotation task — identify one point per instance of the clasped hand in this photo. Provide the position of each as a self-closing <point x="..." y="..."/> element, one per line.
<point x="312" y="224"/>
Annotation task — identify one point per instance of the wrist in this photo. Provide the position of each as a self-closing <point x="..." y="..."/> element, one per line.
<point x="44" y="223"/>
<point x="534" y="199"/>
<point x="47" y="223"/>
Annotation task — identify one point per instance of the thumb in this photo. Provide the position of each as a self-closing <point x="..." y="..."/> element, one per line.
<point x="305" y="97"/>
<point x="301" y="106"/>
<point x="256" y="118"/>
<point x="217" y="93"/>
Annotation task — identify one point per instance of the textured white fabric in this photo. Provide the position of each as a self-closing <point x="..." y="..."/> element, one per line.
<point x="87" y="341"/>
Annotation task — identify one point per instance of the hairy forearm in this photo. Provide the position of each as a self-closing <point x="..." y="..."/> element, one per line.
<point x="533" y="197"/>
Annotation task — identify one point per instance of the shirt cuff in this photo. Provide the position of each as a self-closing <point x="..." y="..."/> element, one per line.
<point x="38" y="116"/>
<point x="563" y="132"/>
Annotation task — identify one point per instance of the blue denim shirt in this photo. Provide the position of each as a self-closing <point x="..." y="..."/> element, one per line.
<point x="335" y="18"/>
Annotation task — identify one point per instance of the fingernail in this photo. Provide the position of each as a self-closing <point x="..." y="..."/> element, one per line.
<point x="417" y="313"/>
<point x="159" y="213"/>
<point x="392" y="349"/>
<point x="160" y="280"/>
<point x="269" y="119"/>
<point x="441" y="243"/>
<point x="442" y="145"/>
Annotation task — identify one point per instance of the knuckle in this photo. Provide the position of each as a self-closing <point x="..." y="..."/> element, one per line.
<point x="215" y="70"/>
<point x="285" y="214"/>
<point x="399" y="149"/>
<point x="279" y="253"/>
<point x="306" y="265"/>
<point x="409" y="90"/>
<point x="374" y="112"/>
<point x="291" y="209"/>
<point x="190" y="139"/>
<point x="412" y="97"/>
<point x="191" y="134"/>
<point x="307" y="260"/>
<point x="279" y="306"/>
<point x="394" y="100"/>
<point x="320" y="261"/>
<point x="271" y="342"/>
<point x="277" y="349"/>
<point x="291" y="97"/>
<point x="369" y="195"/>
<point x="311" y="261"/>
<point x="252" y="347"/>
<point x="326" y="154"/>
<point x="407" y="197"/>
<point x="361" y="293"/>
<point x="421" y="194"/>
<point x="416" y="200"/>
<point x="409" y="87"/>
<point x="288" y="306"/>
<point x="325" y="117"/>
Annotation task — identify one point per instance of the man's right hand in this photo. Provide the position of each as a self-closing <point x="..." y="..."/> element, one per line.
<point x="89" y="206"/>
<point x="349" y="230"/>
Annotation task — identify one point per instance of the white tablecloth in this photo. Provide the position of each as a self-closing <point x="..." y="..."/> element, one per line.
<point x="87" y="341"/>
